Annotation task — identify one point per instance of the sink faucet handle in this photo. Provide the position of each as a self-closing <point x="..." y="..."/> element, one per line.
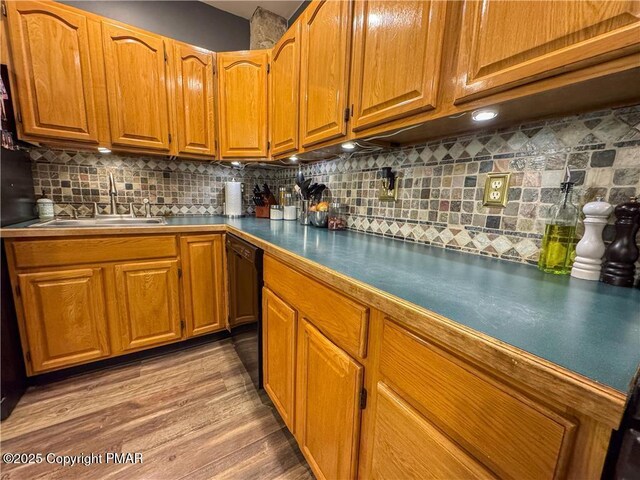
<point x="74" y="212"/>
<point x="95" y="210"/>
<point x="147" y="208"/>
<point x="132" y="212"/>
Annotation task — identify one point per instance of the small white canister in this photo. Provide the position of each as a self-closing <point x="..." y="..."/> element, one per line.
<point x="45" y="207"/>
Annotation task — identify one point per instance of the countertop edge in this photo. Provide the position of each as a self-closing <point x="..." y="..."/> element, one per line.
<point x="599" y="401"/>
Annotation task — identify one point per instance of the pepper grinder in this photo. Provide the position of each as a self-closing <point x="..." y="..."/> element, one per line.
<point x="622" y="253"/>
<point x="591" y="248"/>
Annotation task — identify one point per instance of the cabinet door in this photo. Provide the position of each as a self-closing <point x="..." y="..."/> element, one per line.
<point x="137" y="86"/>
<point x="50" y="45"/>
<point x="279" y="328"/>
<point x="396" y="59"/>
<point x="194" y="99"/>
<point x="324" y="70"/>
<point x="203" y="283"/>
<point x="406" y="445"/>
<point x="285" y="92"/>
<point x="65" y="317"/>
<point x="328" y="405"/>
<point x="148" y="305"/>
<point x="244" y="293"/>
<point x="243" y="104"/>
<point x="506" y="44"/>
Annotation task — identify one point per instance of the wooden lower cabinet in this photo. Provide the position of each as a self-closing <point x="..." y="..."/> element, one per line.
<point x="203" y="284"/>
<point x="279" y="330"/>
<point x="329" y="386"/>
<point x="406" y="445"/>
<point x="65" y="317"/>
<point x="148" y="303"/>
<point x="121" y="294"/>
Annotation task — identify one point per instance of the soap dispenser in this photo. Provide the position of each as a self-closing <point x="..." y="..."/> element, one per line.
<point x="590" y="248"/>
<point x="558" y="242"/>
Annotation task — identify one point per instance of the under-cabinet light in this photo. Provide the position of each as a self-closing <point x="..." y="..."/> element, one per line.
<point x="483" y="115"/>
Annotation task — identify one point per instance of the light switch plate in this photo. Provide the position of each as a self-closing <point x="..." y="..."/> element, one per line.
<point x="496" y="190"/>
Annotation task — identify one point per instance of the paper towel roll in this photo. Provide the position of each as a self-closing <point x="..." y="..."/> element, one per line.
<point x="233" y="199"/>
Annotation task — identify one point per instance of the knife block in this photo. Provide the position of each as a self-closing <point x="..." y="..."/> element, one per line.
<point x="263" y="211"/>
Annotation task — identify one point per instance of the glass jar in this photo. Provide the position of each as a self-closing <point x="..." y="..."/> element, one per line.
<point x="289" y="206"/>
<point x="337" y="216"/>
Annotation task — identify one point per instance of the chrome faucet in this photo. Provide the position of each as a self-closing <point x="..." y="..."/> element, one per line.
<point x="147" y="208"/>
<point x="113" y="193"/>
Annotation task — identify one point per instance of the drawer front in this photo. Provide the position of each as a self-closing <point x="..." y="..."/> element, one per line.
<point x="509" y="434"/>
<point x="341" y="319"/>
<point x="76" y="251"/>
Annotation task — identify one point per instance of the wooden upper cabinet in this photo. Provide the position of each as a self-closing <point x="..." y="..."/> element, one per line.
<point x="203" y="283"/>
<point x="279" y="354"/>
<point x="137" y="87"/>
<point x="396" y="59"/>
<point x="506" y="44"/>
<point x="328" y="391"/>
<point x="55" y="79"/>
<point x="243" y="104"/>
<point x="65" y="317"/>
<point x="194" y="95"/>
<point x="324" y="70"/>
<point x="148" y="303"/>
<point x="284" y="96"/>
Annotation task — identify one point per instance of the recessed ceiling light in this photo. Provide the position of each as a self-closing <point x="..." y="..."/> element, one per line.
<point x="293" y="158"/>
<point x="235" y="164"/>
<point x="104" y="150"/>
<point x="483" y="115"/>
<point x="348" y="146"/>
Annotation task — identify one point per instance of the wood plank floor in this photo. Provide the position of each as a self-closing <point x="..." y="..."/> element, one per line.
<point x="192" y="414"/>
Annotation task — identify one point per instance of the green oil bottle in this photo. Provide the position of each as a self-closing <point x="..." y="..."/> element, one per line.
<point x="559" y="240"/>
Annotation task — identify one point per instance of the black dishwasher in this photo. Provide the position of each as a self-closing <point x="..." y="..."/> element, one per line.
<point x="244" y="265"/>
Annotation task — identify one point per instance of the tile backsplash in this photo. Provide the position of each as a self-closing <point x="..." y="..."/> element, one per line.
<point x="74" y="180"/>
<point x="440" y="183"/>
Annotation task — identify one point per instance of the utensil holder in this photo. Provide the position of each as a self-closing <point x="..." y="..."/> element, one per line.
<point x="304" y="213"/>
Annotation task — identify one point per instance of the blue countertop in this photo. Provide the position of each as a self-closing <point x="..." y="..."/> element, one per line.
<point x="587" y="327"/>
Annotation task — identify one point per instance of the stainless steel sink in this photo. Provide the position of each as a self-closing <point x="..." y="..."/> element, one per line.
<point x="101" y="221"/>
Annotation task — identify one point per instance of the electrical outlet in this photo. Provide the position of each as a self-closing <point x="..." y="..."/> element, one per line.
<point x="496" y="189"/>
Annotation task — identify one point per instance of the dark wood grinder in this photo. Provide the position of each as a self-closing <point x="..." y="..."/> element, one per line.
<point x="621" y="255"/>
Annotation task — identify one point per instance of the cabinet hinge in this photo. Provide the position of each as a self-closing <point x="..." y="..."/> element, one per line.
<point x="4" y="10"/>
<point x="347" y="114"/>
<point x="28" y="356"/>
<point x="182" y="325"/>
<point x="169" y="138"/>
<point x="363" y="399"/>
<point x="268" y="68"/>
<point x="268" y="146"/>
<point x="19" y="117"/>
<point x="179" y="273"/>
<point x="18" y="290"/>
<point x="166" y="59"/>
<point x="352" y="110"/>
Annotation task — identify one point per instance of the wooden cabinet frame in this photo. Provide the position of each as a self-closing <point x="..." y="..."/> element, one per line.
<point x="41" y="111"/>
<point x="195" y="101"/>
<point x="243" y="104"/>
<point x="384" y="101"/>
<point x="284" y="117"/>
<point x="476" y="80"/>
<point x="332" y="126"/>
